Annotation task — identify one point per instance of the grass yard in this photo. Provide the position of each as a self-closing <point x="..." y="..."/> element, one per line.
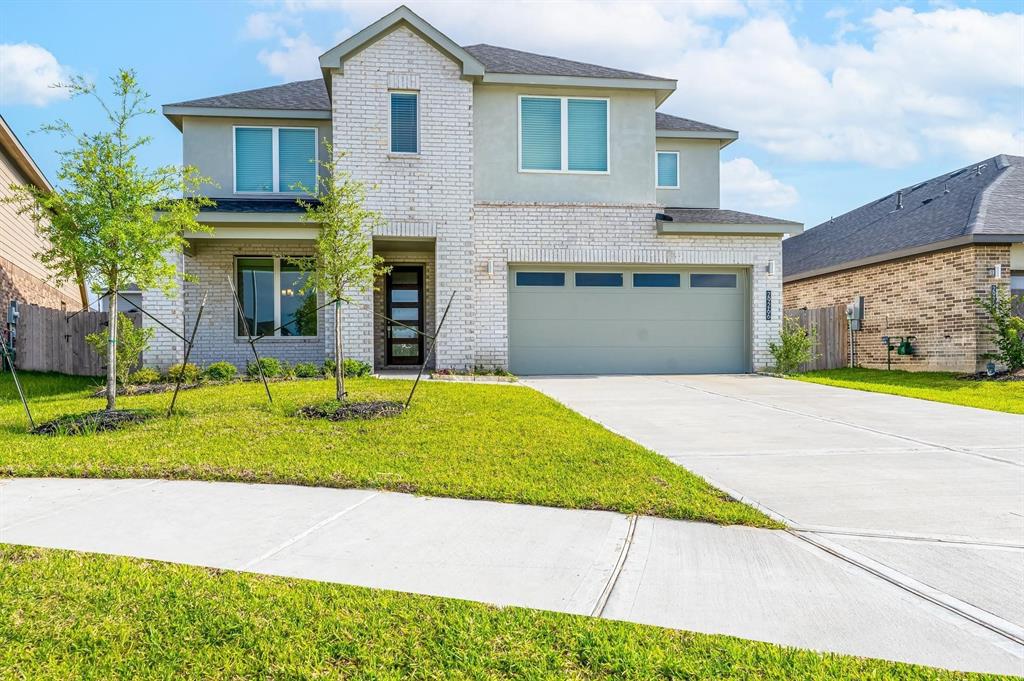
<point x="473" y="441"/>
<point x="937" y="386"/>
<point x="76" y="615"/>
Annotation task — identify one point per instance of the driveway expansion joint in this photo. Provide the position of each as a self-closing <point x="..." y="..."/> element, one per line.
<point x="613" y="578"/>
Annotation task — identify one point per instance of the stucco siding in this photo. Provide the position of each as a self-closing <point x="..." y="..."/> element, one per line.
<point x="698" y="173"/>
<point x="496" y="149"/>
<point x="208" y="144"/>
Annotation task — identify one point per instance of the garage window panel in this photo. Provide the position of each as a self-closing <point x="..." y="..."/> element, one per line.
<point x="656" y="280"/>
<point x="540" y="278"/>
<point x="712" y="280"/>
<point x="599" y="279"/>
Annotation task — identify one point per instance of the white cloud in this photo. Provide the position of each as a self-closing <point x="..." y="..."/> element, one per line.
<point x="297" y="58"/>
<point x="28" y="73"/>
<point x="747" y="187"/>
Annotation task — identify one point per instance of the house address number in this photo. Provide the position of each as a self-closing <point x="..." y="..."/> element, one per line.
<point x="768" y="305"/>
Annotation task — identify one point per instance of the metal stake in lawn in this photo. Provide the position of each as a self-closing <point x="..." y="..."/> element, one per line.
<point x="188" y="351"/>
<point x="252" y="343"/>
<point x="430" y="351"/>
<point x="17" y="383"/>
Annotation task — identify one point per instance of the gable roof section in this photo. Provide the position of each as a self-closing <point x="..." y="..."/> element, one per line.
<point x="506" y="60"/>
<point x="11" y="146"/>
<point x="303" y="95"/>
<point x="334" y="58"/>
<point x="983" y="202"/>
<point x="667" y="125"/>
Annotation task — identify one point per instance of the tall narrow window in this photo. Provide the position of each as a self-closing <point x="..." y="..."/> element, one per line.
<point x="275" y="159"/>
<point x="296" y="154"/>
<point x="563" y="134"/>
<point x="273" y="300"/>
<point x="668" y="169"/>
<point x="254" y="159"/>
<point x="404" y="123"/>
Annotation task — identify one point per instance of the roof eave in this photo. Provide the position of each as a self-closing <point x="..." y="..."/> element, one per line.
<point x="26" y="164"/>
<point x="905" y="253"/>
<point x="175" y="112"/>
<point x="725" y="137"/>
<point x="334" y="58"/>
<point x="739" y="229"/>
<point x="662" y="88"/>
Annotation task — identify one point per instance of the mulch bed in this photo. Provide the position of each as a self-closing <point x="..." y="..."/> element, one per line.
<point x="999" y="376"/>
<point x="92" y="422"/>
<point x="353" y="410"/>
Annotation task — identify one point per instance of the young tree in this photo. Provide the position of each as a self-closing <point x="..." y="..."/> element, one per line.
<point x="343" y="261"/>
<point x="111" y="220"/>
<point x="796" y="346"/>
<point x="1005" y="329"/>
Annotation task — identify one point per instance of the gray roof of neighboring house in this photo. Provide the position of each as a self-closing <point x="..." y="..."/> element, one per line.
<point x="980" y="202"/>
<point x="664" y="121"/>
<point x="719" y="216"/>
<point x="505" y="60"/>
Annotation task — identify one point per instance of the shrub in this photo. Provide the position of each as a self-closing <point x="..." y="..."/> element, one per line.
<point x="132" y="341"/>
<point x="144" y="375"/>
<point x="306" y="370"/>
<point x="272" y="368"/>
<point x="795" y="346"/>
<point x="186" y="373"/>
<point x="353" y="367"/>
<point x="220" y="371"/>
<point x="1005" y="329"/>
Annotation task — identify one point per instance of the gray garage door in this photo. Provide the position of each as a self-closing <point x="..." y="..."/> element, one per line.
<point x="607" y="319"/>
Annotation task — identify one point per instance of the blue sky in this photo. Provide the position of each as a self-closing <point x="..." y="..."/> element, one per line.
<point x="836" y="103"/>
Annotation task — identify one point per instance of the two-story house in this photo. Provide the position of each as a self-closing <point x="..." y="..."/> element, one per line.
<point x="579" y="228"/>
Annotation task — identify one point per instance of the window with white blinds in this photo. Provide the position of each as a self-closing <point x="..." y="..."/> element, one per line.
<point x="275" y="159"/>
<point x="563" y="134"/>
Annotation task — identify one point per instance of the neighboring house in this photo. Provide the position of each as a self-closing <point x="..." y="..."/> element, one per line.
<point x="920" y="256"/>
<point x="22" y="276"/>
<point x="579" y="230"/>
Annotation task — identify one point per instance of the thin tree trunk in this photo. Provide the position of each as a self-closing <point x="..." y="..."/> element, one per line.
<point x="339" y="355"/>
<point x="112" y="353"/>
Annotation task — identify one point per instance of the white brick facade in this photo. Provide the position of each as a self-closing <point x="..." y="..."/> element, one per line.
<point x="165" y="348"/>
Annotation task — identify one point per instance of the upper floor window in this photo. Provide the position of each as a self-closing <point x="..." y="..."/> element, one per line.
<point x="563" y="134"/>
<point x="405" y="121"/>
<point x="667" y="167"/>
<point x="275" y="159"/>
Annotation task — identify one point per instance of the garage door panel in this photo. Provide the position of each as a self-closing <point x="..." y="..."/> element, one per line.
<point x="583" y="330"/>
<point x="603" y="333"/>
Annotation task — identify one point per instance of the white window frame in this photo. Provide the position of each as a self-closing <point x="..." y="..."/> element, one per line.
<point x="275" y="158"/>
<point x="565" y="135"/>
<point x="277" y="298"/>
<point x="665" y="186"/>
<point x="406" y="154"/>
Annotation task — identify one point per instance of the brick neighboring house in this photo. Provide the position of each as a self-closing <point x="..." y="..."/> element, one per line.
<point x="22" y="277"/>
<point x="920" y="257"/>
<point x="580" y="227"/>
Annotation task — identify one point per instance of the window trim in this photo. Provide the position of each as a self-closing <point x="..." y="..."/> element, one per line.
<point x="734" y="287"/>
<point x="405" y="154"/>
<point x="564" y="170"/>
<point x="658" y="152"/>
<point x="277" y="299"/>
<point x="634" y="273"/>
<point x="516" y="284"/>
<point x="275" y="159"/>
<point x="620" y="274"/>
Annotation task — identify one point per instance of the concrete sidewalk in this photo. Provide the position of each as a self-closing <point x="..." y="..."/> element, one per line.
<point x="758" y="584"/>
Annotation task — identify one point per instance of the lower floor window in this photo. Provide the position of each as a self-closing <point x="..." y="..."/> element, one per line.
<point x="273" y="300"/>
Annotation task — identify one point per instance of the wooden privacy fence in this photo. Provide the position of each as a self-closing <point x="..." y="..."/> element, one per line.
<point x="833" y="349"/>
<point x="52" y="340"/>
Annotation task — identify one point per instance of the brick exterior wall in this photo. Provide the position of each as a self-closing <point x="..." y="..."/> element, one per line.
<point x="513" y="233"/>
<point x="430" y="193"/>
<point x="165" y="348"/>
<point x="930" y="296"/>
<point x="19" y="284"/>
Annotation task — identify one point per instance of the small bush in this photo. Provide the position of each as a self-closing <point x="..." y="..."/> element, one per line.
<point x="132" y="341"/>
<point x="272" y="368"/>
<point x="220" y="371"/>
<point x="353" y="368"/>
<point x="187" y="373"/>
<point x="306" y="370"/>
<point x="1005" y="329"/>
<point x="144" y="376"/>
<point x="795" y="346"/>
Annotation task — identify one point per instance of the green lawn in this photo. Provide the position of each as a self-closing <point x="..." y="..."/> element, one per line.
<point x="474" y="441"/>
<point x="66" y="615"/>
<point x="926" y="385"/>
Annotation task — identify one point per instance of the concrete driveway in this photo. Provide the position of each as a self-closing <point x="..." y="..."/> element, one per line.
<point x="927" y="495"/>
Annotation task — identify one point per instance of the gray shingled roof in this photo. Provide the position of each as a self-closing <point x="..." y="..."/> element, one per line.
<point x="505" y="60"/>
<point x="303" y="95"/>
<point x="718" y="216"/>
<point x="664" y="121"/>
<point x="257" y="205"/>
<point x="982" y="199"/>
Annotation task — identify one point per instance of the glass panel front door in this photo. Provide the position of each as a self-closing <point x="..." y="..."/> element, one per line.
<point x="404" y="305"/>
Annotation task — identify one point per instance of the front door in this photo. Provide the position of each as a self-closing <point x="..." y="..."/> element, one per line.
<point x="404" y="306"/>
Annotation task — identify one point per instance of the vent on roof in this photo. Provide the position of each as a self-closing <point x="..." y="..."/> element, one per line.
<point x="927" y="201"/>
<point x="916" y="187"/>
<point x="957" y="173"/>
<point x="899" y="200"/>
<point x="883" y="199"/>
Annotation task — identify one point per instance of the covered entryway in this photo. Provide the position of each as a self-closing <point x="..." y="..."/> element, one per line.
<point x="611" y="319"/>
